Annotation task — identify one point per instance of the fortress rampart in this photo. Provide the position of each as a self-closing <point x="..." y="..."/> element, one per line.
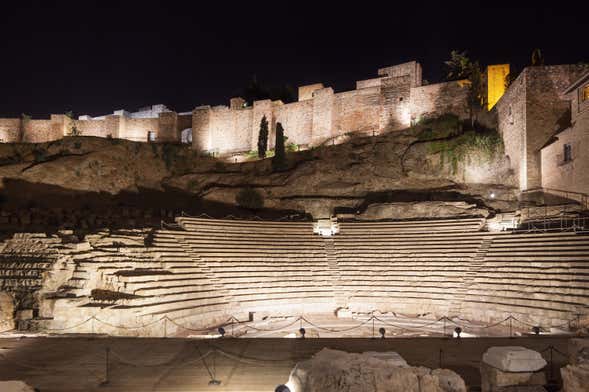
<point x="388" y="102"/>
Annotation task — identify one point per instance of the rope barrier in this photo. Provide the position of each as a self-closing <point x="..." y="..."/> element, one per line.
<point x="71" y="327"/>
<point x="233" y="321"/>
<point x="338" y="330"/>
<point x="233" y="217"/>
<point x="230" y="321"/>
<point x="129" y="328"/>
<point x="167" y="362"/>
<point x="274" y="330"/>
<point x="551" y="347"/>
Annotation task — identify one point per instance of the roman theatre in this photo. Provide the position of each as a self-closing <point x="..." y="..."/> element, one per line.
<point x="269" y="278"/>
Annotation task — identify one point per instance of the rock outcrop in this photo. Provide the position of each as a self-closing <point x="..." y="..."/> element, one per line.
<point x="6" y="312"/>
<point x="512" y="368"/>
<point x="575" y="376"/>
<point x="333" y="370"/>
<point x="15" y="386"/>
<point x="349" y="175"/>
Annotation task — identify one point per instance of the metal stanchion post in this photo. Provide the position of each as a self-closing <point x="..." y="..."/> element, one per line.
<point x="106" y="366"/>
<point x="551" y="365"/>
<point x="510" y="327"/>
<point x="165" y="326"/>
<point x="444" y="318"/>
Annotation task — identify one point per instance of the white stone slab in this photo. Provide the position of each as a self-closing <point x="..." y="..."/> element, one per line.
<point x="15" y="386"/>
<point x="514" y="359"/>
<point x="391" y="357"/>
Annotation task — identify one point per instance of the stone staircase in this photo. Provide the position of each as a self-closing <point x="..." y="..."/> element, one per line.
<point x="457" y="309"/>
<point x="341" y="299"/>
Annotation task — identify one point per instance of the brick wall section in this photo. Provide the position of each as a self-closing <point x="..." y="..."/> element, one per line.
<point x="357" y="111"/>
<point x="167" y="127"/>
<point x="306" y="92"/>
<point x="10" y="130"/>
<point x="297" y="120"/>
<point x="92" y="127"/>
<point x="435" y="99"/>
<point x="396" y="93"/>
<point x="136" y="129"/>
<point x="322" y="115"/>
<point x="201" y="118"/>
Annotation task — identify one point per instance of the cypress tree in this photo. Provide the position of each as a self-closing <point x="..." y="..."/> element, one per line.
<point x="279" y="159"/>
<point x="263" y="138"/>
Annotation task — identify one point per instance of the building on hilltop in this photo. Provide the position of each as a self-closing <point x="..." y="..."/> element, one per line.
<point x="530" y="112"/>
<point x="565" y="164"/>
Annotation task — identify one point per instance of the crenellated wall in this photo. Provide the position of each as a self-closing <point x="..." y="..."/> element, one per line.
<point x="386" y="103"/>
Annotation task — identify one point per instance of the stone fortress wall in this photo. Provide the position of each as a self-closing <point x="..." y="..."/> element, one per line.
<point x="530" y="113"/>
<point x="390" y="101"/>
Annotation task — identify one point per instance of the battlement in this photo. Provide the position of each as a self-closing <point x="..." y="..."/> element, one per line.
<point x="388" y="102"/>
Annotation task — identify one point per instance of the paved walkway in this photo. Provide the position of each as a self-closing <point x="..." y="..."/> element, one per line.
<point x="156" y="364"/>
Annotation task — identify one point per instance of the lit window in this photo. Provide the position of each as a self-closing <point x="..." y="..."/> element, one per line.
<point x="585" y="94"/>
<point x="151" y="136"/>
<point x="568" y="153"/>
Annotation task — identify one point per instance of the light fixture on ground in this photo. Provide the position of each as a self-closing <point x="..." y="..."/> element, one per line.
<point x="282" y="388"/>
<point x="536" y="330"/>
<point x="302" y="332"/>
<point x="458" y="331"/>
<point x="221" y="331"/>
<point x="382" y="332"/>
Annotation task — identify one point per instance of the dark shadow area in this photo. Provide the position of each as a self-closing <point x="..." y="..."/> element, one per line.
<point x="42" y="207"/>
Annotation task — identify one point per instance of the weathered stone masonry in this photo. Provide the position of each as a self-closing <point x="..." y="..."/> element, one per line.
<point x="388" y="102"/>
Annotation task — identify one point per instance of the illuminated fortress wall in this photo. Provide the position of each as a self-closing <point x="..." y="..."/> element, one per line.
<point x="391" y="101"/>
<point x="531" y="111"/>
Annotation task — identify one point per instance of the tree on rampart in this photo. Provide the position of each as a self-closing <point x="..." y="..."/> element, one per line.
<point x="460" y="66"/>
<point x="24" y="120"/>
<point x="279" y="159"/>
<point x="263" y="138"/>
<point x="74" y="131"/>
<point x="537" y="58"/>
<point x="255" y="91"/>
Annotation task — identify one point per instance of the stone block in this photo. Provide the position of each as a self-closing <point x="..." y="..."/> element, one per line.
<point x="578" y="351"/>
<point x="575" y="378"/>
<point x="493" y="379"/>
<point x="514" y="359"/>
<point x="15" y="386"/>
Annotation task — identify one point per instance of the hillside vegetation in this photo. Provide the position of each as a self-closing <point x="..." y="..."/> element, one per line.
<point x="437" y="160"/>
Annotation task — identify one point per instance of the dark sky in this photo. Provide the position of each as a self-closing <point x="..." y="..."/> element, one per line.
<point x="93" y="57"/>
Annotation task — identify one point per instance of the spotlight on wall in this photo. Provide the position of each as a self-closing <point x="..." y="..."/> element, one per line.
<point x="458" y="331"/>
<point x="221" y="331"/>
<point x="536" y="330"/>
<point x="302" y="332"/>
<point x="492" y="195"/>
<point x="382" y="331"/>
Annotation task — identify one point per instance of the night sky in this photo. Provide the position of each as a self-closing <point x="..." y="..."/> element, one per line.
<point x="93" y="57"/>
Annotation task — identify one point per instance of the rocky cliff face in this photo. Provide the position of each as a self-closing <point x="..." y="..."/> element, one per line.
<point x="398" y="167"/>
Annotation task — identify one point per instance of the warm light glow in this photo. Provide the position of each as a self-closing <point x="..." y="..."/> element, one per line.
<point x="496" y="83"/>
